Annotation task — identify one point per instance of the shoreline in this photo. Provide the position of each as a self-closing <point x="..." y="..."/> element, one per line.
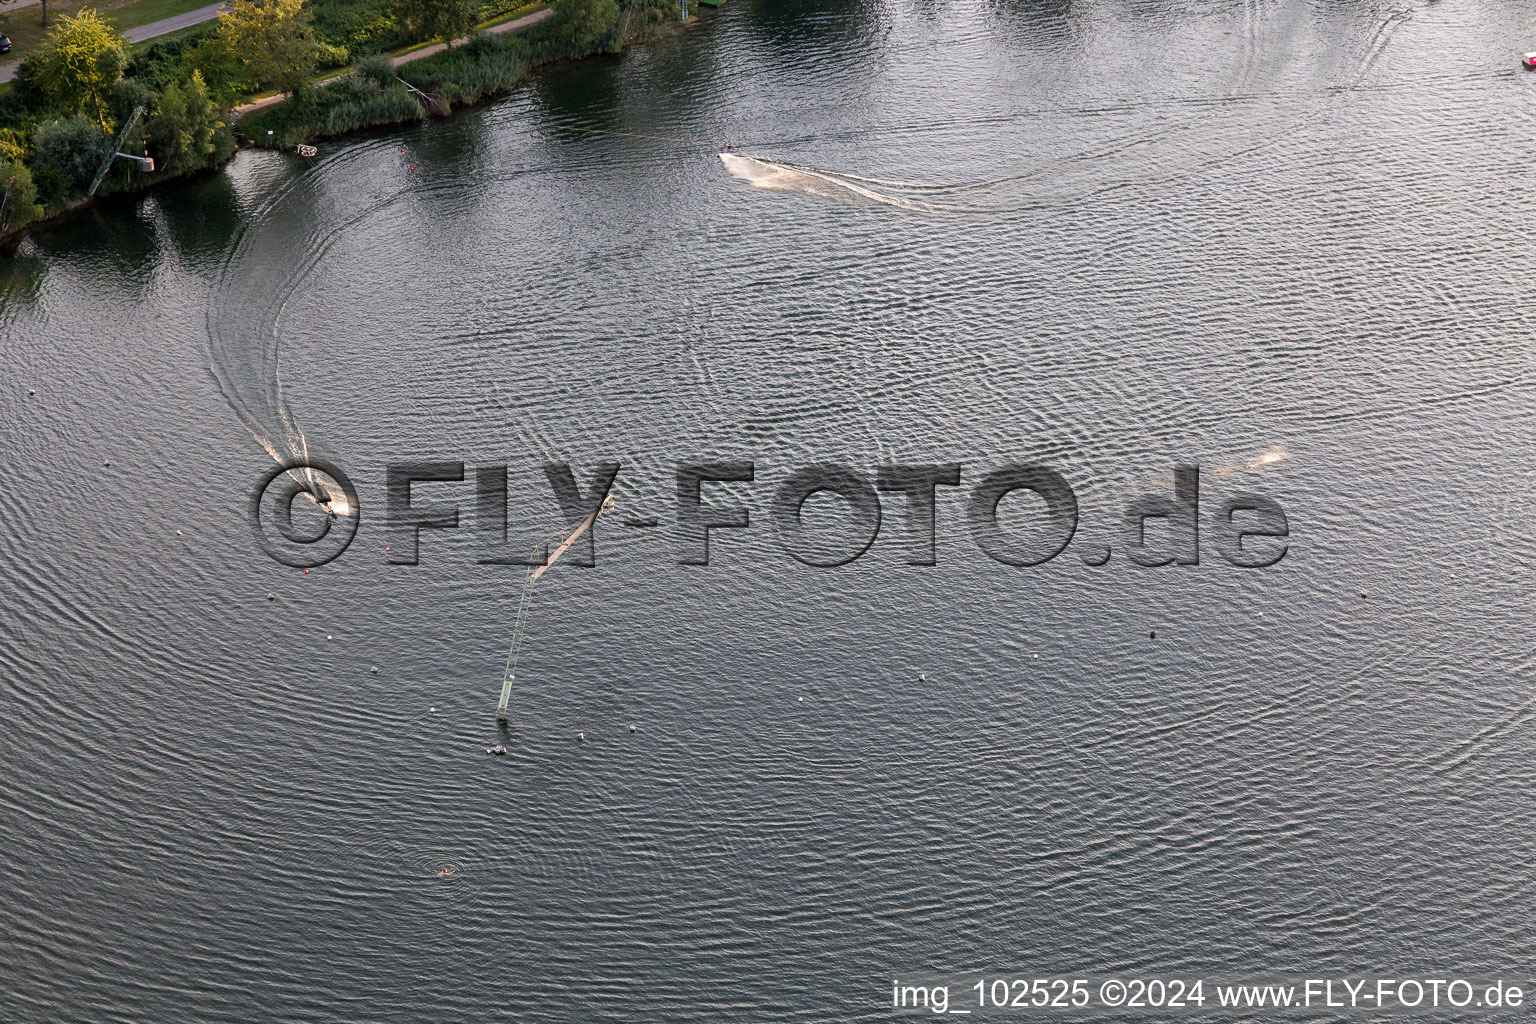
<point x="10" y="241"/>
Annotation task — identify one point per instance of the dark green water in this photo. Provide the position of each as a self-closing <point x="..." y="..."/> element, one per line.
<point x="1284" y="241"/>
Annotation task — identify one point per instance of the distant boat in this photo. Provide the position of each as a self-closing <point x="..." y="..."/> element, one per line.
<point x="1529" y="60"/>
<point x="711" y="3"/>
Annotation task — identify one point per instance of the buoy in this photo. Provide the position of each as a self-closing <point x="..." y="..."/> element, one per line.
<point x="178" y="533"/>
<point x="375" y="670"/>
<point x="31" y="392"/>
<point x="631" y="728"/>
<point x="271" y="597"/>
<point x="306" y="572"/>
<point x="799" y="698"/>
<point x="108" y="462"/>
<point x="327" y="636"/>
<point x="433" y="710"/>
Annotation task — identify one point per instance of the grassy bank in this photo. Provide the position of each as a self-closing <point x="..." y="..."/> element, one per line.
<point x="484" y="66"/>
<point x="58" y="128"/>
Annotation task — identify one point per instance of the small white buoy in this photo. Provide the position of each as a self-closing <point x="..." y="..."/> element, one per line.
<point x="433" y="710"/>
<point x="1036" y="657"/>
<point x="327" y="636"/>
<point x="631" y="728"/>
<point x="799" y="698"/>
<point x="271" y="597"/>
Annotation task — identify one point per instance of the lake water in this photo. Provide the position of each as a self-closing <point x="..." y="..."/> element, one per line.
<point x="1284" y="241"/>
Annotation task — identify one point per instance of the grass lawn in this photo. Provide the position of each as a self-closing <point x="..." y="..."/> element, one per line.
<point x="26" y="31"/>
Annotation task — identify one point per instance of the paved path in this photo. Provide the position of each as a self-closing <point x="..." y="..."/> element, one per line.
<point x="405" y="58"/>
<point x="134" y="35"/>
<point x="165" y="26"/>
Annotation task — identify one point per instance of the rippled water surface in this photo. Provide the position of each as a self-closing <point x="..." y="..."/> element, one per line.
<point x="1287" y="241"/>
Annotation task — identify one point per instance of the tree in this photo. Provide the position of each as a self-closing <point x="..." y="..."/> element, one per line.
<point x="274" y="39"/>
<point x="77" y="65"/>
<point x="436" y="19"/>
<point x="186" y="131"/>
<point x="216" y="62"/>
<point x="18" y="196"/>
<point x="75" y="147"/>
<point x="586" y="22"/>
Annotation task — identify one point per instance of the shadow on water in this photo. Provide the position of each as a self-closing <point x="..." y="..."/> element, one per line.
<point x="583" y="92"/>
<point x="116" y="237"/>
<point x="201" y="217"/>
<point x="22" y="272"/>
<point x="790" y="27"/>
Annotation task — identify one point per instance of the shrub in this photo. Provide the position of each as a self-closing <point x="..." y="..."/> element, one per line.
<point x="18" y="196"/>
<point x="377" y="69"/>
<point x="586" y="25"/>
<point x="128" y="95"/>
<point x="74" y="146"/>
<point x="52" y="186"/>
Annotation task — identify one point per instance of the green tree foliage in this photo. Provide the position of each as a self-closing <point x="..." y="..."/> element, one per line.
<point x="18" y="196"/>
<point x="74" y="146"/>
<point x="436" y="19"/>
<point x="274" y="40"/>
<point x="186" y="132"/>
<point x="76" y="67"/>
<point x="212" y="58"/>
<point x="586" y="24"/>
<point x="127" y="96"/>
